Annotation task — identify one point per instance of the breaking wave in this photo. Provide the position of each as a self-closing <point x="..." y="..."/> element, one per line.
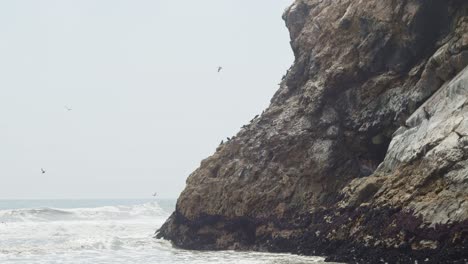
<point x="147" y="210"/>
<point x="117" y="234"/>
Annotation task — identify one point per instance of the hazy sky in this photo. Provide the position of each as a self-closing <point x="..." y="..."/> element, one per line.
<point x="141" y="78"/>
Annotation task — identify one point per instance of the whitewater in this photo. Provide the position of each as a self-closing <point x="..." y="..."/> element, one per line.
<point x="104" y="232"/>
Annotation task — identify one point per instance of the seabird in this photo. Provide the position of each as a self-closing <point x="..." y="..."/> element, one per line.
<point x="222" y="142"/>
<point x="403" y="124"/>
<point x="400" y="118"/>
<point x="317" y="26"/>
<point x="426" y="114"/>
<point x="220" y="68"/>
<point x="68" y="108"/>
<point x="154" y="194"/>
<point x="228" y="138"/>
<point x="256" y="117"/>
<point x="43" y="171"/>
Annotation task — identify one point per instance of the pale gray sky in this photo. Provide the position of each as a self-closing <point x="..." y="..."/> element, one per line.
<point x="141" y="78"/>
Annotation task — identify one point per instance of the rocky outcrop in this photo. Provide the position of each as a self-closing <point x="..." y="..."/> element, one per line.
<point x="362" y="154"/>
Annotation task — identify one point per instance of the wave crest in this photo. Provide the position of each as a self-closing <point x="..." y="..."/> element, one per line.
<point x="146" y="210"/>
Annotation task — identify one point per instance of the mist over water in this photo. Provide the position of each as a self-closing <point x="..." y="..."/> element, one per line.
<point x="101" y="232"/>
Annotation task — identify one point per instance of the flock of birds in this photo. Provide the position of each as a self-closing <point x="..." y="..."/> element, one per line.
<point x="244" y="126"/>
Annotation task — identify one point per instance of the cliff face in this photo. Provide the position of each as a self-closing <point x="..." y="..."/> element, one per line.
<point x="362" y="154"/>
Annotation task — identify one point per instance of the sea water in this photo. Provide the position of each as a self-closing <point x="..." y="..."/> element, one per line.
<point x="104" y="232"/>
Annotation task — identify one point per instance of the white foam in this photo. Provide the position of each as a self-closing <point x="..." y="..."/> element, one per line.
<point x="105" y="235"/>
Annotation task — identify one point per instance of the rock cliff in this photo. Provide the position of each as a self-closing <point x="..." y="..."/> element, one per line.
<point x="361" y="155"/>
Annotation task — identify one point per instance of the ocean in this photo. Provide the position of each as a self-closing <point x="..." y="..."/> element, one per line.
<point x="104" y="232"/>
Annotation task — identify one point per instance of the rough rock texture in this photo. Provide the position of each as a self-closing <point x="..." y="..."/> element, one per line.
<point x="362" y="154"/>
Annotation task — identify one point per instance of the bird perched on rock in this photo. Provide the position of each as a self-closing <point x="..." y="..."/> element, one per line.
<point x="255" y="117"/>
<point x="219" y="68"/>
<point x="424" y="150"/>
<point x="317" y="26"/>
<point x="426" y="113"/>
<point x="222" y="142"/>
<point x="228" y="138"/>
<point x="403" y="124"/>
<point x="400" y="118"/>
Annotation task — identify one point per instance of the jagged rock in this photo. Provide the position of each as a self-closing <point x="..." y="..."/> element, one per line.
<point x="373" y="82"/>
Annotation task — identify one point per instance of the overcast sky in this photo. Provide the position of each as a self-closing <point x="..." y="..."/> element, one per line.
<point x="141" y="78"/>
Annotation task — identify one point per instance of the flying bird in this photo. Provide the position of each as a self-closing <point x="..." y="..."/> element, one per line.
<point x="154" y="194"/>
<point x="43" y="171"/>
<point x="68" y="108"/>
<point x="220" y="68"/>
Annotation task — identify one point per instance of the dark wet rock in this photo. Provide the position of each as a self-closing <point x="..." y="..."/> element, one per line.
<point x="362" y="154"/>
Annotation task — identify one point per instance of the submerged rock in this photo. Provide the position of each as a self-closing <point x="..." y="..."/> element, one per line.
<point x="361" y="155"/>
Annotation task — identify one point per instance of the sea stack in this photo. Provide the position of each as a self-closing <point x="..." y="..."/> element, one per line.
<point x="292" y="180"/>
